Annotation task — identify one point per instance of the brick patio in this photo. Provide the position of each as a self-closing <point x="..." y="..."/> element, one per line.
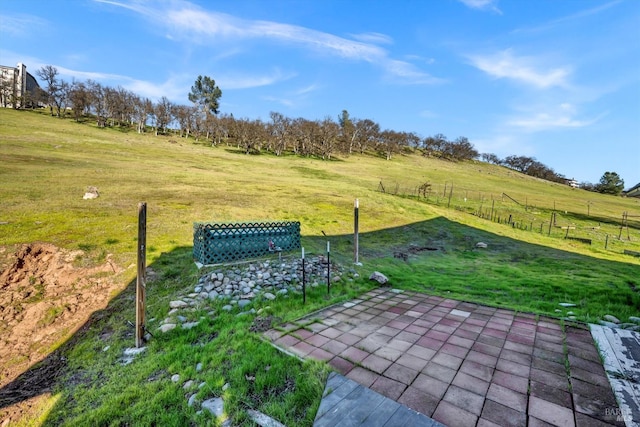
<point x="460" y="363"/>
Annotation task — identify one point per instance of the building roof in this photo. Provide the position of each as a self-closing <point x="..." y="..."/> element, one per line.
<point x="633" y="191"/>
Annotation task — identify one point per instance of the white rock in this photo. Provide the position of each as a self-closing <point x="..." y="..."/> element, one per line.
<point x="610" y="318"/>
<point x="243" y="303"/>
<point x="263" y="420"/>
<point x="192" y="400"/>
<point x="566" y="304"/>
<point x="634" y="319"/>
<point x="215" y="406"/>
<point x="199" y="367"/>
<point x="187" y="385"/>
<point x="379" y="277"/>
<point x="269" y="296"/>
<point x="227" y="308"/>
<point x="190" y="325"/>
<point x="177" y="304"/>
<point x="167" y="327"/>
<point x="175" y="378"/>
<point x="481" y="245"/>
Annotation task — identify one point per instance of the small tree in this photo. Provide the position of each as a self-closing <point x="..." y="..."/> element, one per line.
<point x="206" y="95"/>
<point x="610" y="183"/>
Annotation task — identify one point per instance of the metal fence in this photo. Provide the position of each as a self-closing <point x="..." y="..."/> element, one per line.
<point x="215" y="243"/>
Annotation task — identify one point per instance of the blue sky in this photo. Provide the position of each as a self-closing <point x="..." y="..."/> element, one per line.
<point x="555" y="80"/>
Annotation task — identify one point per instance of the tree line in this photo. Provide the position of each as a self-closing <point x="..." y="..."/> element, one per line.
<point x="324" y="138"/>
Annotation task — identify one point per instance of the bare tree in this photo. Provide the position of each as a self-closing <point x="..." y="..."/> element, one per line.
<point x="491" y="158"/>
<point x="327" y="136"/>
<point x="143" y="109"/>
<point x="80" y="99"/>
<point x="162" y="110"/>
<point x="55" y="88"/>
<point x="281" y="129"/>
<point x="435" y="145"/>
<point x="98" y="102"/>
<point x="368" y="134"/>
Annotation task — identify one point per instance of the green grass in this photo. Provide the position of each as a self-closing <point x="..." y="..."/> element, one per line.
<point x="46" y="164"/>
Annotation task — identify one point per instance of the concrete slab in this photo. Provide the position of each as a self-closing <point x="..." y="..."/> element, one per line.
<point x="346" y="403"/>
<point x="620" y="350"/>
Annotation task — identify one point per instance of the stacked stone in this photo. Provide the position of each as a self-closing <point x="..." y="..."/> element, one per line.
<point x="264" y="278"/>
<point x="242" y="285"/>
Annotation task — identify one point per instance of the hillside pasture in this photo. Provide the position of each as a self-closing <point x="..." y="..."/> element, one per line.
<point x="47" y="164"/>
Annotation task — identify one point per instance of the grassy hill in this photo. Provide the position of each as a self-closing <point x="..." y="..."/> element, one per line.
<point x="46" y="165"/>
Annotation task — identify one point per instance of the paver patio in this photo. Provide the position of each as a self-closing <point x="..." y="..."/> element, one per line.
<point x="460" y="363"/>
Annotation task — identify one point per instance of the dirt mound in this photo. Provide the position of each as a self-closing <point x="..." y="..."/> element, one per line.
<point x="45" y="295"/>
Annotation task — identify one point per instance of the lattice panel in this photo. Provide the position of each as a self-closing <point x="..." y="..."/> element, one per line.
<point x="224" y="242"/>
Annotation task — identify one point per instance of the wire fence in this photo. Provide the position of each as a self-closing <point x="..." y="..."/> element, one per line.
<point x="568" y="219"/>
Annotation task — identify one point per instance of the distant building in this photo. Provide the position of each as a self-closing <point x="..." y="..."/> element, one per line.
<point x="17" y="87"/>
<point x="633" y="191"/>
<point x="572" y="183"/>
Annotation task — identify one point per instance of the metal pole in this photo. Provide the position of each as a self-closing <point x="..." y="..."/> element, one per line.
<point x="304" y="287"/>
<point x="328" y="269"/>
<point x="356" y="247"/>
<point x="141" y="280"/>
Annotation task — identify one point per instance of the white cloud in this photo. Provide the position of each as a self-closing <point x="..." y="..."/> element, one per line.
<point x="482" y="5"/>
<point x="428" y="114"/>
<point x="282" y="101"/>
<point x="548" y="121"/>
<point x="295" y="97"/>
<point x="373" y="38"/>
<point x="21" y="25"/>
<point x="173" y="88"/>
<point x="524" y="69"/>
<point x="236" y="81"/>
<point x="196" y="25"/>
<point x="564" y="115"/>
<point x="566" y="19"/>
<point x="410" y="73"/>
<point x="86" y="75"/>
<point x="307" y="89"/>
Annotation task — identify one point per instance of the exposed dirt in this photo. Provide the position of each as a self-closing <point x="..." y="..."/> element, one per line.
<point x="263" y="324"/>
<point x="46" y="294"/>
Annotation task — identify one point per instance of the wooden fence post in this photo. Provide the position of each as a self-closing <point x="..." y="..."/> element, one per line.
<point x="141" y="280"/>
